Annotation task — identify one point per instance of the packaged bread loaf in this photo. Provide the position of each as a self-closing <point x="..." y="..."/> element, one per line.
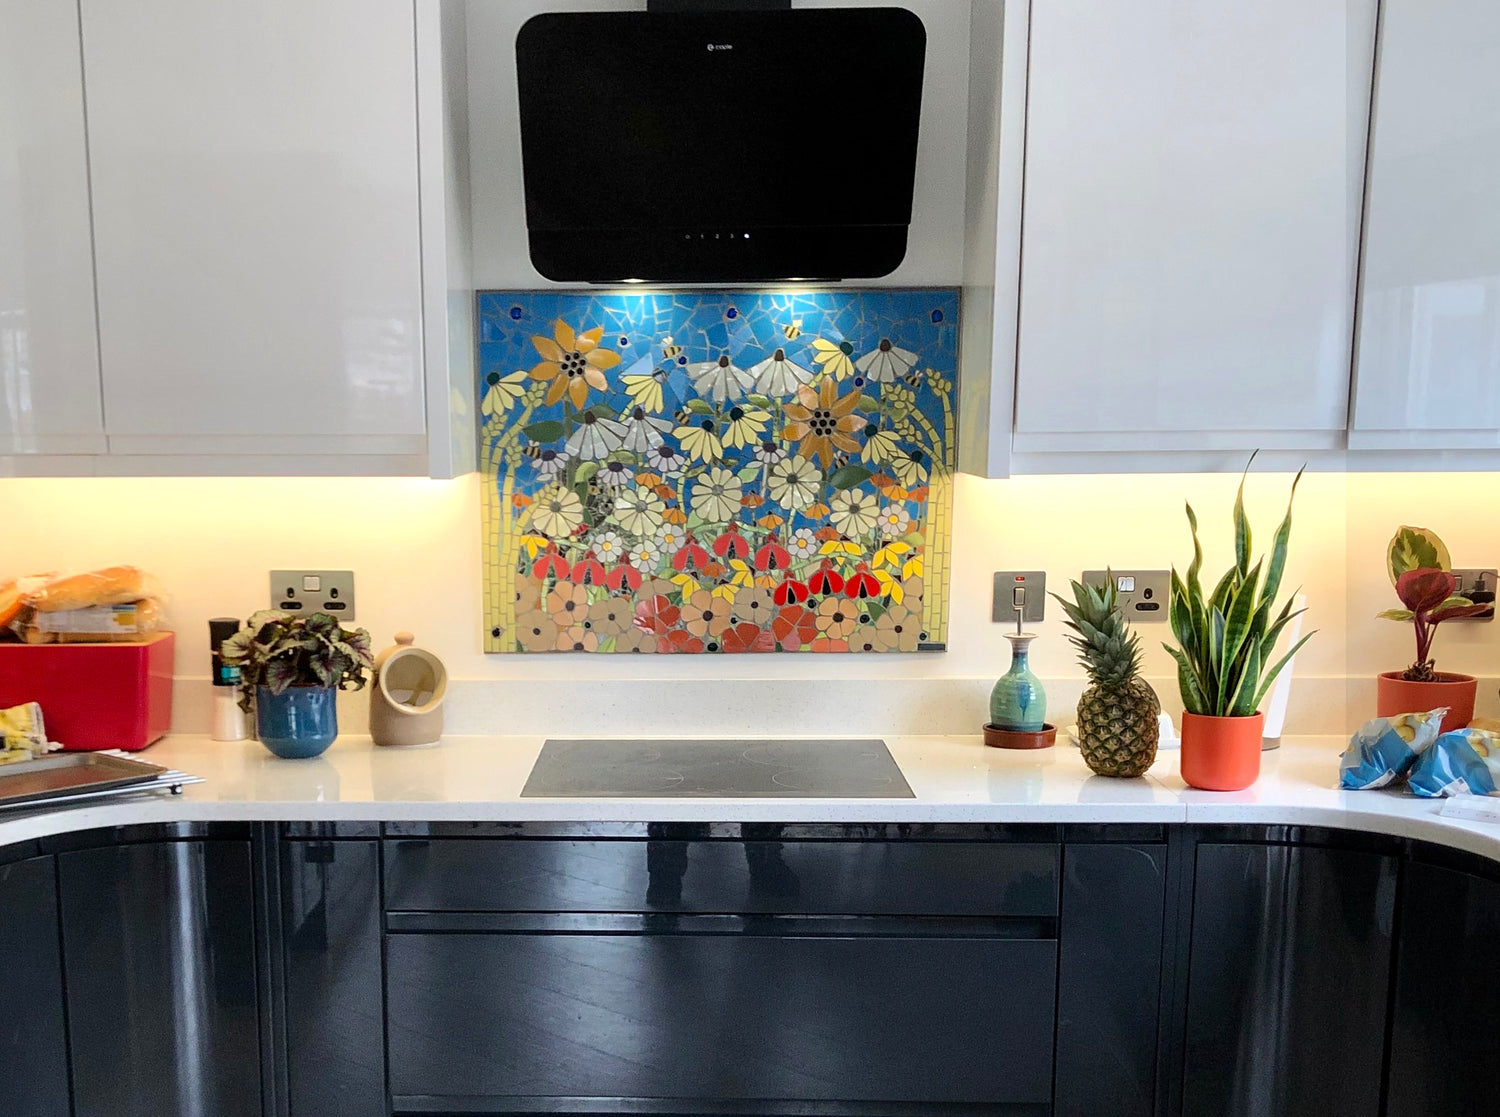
<point x="114" y="585"/>
<point x="100" y="623"/>
<point x="10" y="601"/>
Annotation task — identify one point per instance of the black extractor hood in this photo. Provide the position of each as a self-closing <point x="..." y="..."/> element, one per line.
<point x="738" y="146"/>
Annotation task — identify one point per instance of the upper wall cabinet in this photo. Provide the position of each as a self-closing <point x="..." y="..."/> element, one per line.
<point x="256" y="225"/>
<point x="1193" y="182"/>
<point x="1429" y="337"/>
<point x="49" y="360"/>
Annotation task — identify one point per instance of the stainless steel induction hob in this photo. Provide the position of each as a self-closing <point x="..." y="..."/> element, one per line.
<point x="835" y="768"/>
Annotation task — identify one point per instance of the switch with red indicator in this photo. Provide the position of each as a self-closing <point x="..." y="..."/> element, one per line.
<point x="1032" y="585"/>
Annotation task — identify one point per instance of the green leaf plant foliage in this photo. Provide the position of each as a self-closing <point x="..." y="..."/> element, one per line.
<point x="1422" y="572"/>
<point x="278" y="650"/>
<point x="1225" y="639"/>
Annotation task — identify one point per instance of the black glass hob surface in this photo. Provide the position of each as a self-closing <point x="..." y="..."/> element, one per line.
<point x="831" y="768"/>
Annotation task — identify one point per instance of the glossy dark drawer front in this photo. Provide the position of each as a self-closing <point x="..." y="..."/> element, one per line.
<point x="33" y="1040"/>
<point x="720" y="1017"/>
<point x="159" y="957"/>
<point x="762" y="876"/>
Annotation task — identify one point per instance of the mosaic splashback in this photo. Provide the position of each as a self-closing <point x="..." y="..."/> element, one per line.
<point x="717" y="472"/>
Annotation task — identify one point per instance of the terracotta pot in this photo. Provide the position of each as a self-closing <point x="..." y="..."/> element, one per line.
<point x="1221" y="754"/>
<point x="1395" y="695"/>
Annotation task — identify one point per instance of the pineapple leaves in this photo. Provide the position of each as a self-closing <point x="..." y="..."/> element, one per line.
<point x="1108" y="650"/>
<point x="1226" y="641"/>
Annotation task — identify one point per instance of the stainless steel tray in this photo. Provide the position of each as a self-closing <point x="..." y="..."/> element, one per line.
<point x="71" y="774"/>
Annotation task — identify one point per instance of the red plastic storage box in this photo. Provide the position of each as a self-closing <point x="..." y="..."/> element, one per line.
<point x="94" y="696"/>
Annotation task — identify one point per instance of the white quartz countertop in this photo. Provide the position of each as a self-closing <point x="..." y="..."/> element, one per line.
<point x="955" y="779"/>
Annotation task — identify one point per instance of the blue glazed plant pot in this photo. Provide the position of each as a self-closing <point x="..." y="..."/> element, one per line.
<point x="299" y="723"/>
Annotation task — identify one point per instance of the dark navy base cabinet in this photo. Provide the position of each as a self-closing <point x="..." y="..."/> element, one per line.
<point x="33" y="1043"/>
<point x="1289" y="979"/>
<point x="1447" y="1004"/>
<point x="158" y="949"/>
<point x="745" y="970"/>
<point x="1109" y="995"/>
<point x="335" y="1011"/>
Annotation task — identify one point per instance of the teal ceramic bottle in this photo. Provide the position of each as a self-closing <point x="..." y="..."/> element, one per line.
<point x="1018" y="702"/>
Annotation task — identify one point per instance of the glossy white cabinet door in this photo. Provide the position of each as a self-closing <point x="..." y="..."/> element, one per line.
<point x="256" y="224"/>
<point x="49" y="359"/>
<point x="1429" y="340"/>
<point x="1194" y="174"/>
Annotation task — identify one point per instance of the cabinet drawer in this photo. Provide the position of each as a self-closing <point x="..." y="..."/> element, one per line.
<point x="1017" y="879"/>
<point x="513" y="1020"/>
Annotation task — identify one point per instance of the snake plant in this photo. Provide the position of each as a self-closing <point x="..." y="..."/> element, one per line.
<point x="1225" y="639"/>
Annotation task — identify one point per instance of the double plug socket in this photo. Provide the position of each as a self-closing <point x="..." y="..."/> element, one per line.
<point x="1144" y="594"/>
<point x="314" y="591"/>
<point x="1478" y="585"/>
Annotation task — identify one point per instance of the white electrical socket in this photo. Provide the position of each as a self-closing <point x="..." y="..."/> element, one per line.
<point x="1144" y="594"/>
<point x="314" y="591"/>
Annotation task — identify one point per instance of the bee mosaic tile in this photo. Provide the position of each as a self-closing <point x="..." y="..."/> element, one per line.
<point x="703" y="471"/>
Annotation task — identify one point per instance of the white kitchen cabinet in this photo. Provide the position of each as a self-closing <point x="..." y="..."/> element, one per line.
<point x="1193" y="182"/>
<point x="49" y="360"/>
<point x="256" y="222"/>
<point x="1428" y="370"/>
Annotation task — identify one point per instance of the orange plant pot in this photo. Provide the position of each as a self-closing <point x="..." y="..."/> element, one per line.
<point x="1221" y="754"/>
<point x="1395" y="695"/>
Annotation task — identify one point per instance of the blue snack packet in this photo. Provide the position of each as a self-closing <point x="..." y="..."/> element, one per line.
<point x="1463" y="762"/>
<point x="1385" y="749"/>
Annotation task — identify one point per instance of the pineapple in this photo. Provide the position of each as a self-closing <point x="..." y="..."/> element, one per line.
<point x="1117" y="715"/>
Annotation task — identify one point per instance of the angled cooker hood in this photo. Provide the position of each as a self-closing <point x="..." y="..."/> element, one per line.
<point x="719" y="147"/>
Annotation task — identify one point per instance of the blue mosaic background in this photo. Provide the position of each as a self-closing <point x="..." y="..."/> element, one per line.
<point x="865" y="509"/>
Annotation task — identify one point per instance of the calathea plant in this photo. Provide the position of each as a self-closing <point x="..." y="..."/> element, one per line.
<point x="278" y="650"/>
<point x="1422" y="572"/>
<point x="1225" y="638"/>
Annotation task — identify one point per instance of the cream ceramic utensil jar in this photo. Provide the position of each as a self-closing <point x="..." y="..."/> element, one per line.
<point x="406" y="702"/>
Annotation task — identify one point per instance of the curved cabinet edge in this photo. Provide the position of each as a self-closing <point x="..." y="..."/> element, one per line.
<point x="148" y="821"/>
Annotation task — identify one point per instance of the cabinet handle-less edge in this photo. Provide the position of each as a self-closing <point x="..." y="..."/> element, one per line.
<point x="779" y="926"/>
<point x="447" y="1105"/>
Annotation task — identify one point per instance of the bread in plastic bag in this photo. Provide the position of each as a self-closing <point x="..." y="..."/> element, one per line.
<point x="113" y="585"/>
<point x="1385" y="749"/>
<point x="117" y="604"/>
<point x="96" y="624"/>
<point x="1461" y="762"/>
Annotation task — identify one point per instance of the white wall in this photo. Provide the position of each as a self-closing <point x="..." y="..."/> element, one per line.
<point x="936" y="246"/>
<point x="414" y="545"/>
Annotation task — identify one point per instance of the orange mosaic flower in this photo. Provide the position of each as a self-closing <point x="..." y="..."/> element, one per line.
<point x="795" y="626"/>
<point x="519" y="501"/>
<point x="823" y="422"/>
<point x="572" y="363"/>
